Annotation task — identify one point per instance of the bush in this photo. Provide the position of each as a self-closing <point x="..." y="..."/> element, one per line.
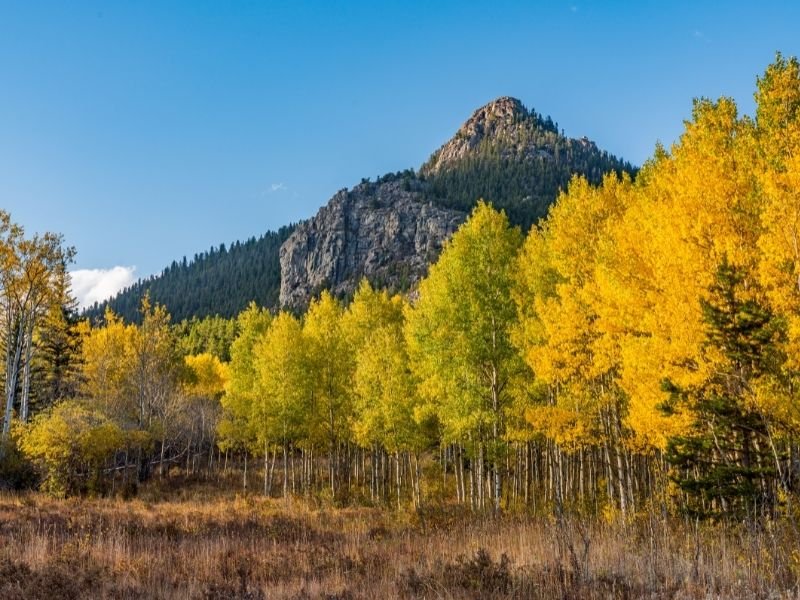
<point x="69" y="445"/>
<point x="475" y="577"/>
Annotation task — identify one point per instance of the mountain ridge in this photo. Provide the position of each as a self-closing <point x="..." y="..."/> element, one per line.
<point x="388" y="230"/>
<point x="503" y="153"/>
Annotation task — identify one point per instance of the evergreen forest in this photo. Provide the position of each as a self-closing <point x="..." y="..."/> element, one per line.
<point x="221" y="281"/>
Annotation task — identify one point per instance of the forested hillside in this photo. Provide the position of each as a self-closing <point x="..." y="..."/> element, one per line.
<point x="389" y="231"/>
<point x="220" y="282"/>
<point x="504" y="153"/>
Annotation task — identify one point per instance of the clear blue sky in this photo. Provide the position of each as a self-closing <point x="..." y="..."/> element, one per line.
<point x="146" y="131"/>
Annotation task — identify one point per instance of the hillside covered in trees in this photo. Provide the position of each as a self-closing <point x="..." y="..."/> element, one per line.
<point x="221" y="281"/>
<point x="390" y="230"/>
<point x="504" y="153"/>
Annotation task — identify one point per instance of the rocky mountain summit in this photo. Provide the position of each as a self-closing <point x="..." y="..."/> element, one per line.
<point x="497" y="120"/>
<point x="386" y="231"/>
<point x="515" y="158"/>
<point x="390" y="230"/>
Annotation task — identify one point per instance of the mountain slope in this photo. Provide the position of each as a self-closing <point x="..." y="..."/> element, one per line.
<point x="221" y="281"/>
<point x="387" y="231"/>
<point x="504" y="153"/>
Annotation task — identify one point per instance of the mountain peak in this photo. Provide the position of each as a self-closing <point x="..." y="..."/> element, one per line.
<point x="504" y="107"/>
<point x="515" y="158"/>
<point x="391" y="229"/>
<point x="497" y="119"/>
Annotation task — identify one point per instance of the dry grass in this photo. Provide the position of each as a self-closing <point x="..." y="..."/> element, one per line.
<point x="250" y="547"/>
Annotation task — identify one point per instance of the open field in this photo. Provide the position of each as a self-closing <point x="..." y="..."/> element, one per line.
<point x="229" y="546"/>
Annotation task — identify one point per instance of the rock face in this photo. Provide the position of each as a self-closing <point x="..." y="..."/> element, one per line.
<point x="385" y="231"/>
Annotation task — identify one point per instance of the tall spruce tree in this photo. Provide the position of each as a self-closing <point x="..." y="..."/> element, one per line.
<point x="724" y="463"/>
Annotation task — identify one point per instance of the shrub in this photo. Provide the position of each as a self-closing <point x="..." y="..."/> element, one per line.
<point x="69" y="445"/>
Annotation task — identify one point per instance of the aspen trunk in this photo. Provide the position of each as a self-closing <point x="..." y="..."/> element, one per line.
<point x="398" y="477"/>
<point x="285" y="469"/>
<point x="418" y="487"/>
<point x="266" y="469"/>
<point x="12" y="372"/>
<point x="26" y="375"/>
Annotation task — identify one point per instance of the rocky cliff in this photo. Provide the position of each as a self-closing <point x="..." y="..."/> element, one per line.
<point x="387" y="231"/>
<point x="390" y="230"/>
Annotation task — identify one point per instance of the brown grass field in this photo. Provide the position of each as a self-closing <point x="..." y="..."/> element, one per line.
<point x="211" y="543"/>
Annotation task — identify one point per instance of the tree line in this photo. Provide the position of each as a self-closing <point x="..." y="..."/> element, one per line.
<point x="637" y="350"/>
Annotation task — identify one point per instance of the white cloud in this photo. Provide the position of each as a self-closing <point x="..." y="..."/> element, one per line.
<point x="96" y="285"/>
<point x="275" y="188"/>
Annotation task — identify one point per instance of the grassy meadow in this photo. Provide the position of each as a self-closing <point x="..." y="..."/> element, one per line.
<point x="202" y="539"/>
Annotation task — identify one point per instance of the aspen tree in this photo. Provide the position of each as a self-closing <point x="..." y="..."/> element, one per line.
<point x="234" y="429"/>
<point x="282" y="389"/>
<point x="330" y="369"/>
<point x="558" y="334"/>
<point x="459" y="338"/>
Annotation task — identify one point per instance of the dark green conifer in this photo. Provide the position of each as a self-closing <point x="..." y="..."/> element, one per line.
<point x="724" y="464"/>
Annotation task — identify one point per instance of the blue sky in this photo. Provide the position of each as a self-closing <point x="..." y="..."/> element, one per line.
<point x="149" y="131"/>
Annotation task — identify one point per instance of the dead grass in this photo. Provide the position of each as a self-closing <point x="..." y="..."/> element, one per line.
<point x="250" y="547"/>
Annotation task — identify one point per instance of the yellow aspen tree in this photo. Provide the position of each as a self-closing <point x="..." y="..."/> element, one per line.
<point x="459" y="337"/>
<point x="558" y="334"/>
<point x="778" y="132"/>
<point x="106" y="369"/>
<point x="370" y="310"/>
<point x="282" y="389"/>
<point x="692" y="209"/>
<point x="387" y="404"/>
<point x="203" y="385"/>
<point x="235" y="432"/>
<point x="331" y="366"/>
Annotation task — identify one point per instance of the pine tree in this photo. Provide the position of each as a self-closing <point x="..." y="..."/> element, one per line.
<point x="58" y="360"/>
<point x="723" y="463"/>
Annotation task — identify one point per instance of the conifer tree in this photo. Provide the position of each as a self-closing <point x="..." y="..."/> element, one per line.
<point x="724" y="463"/>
